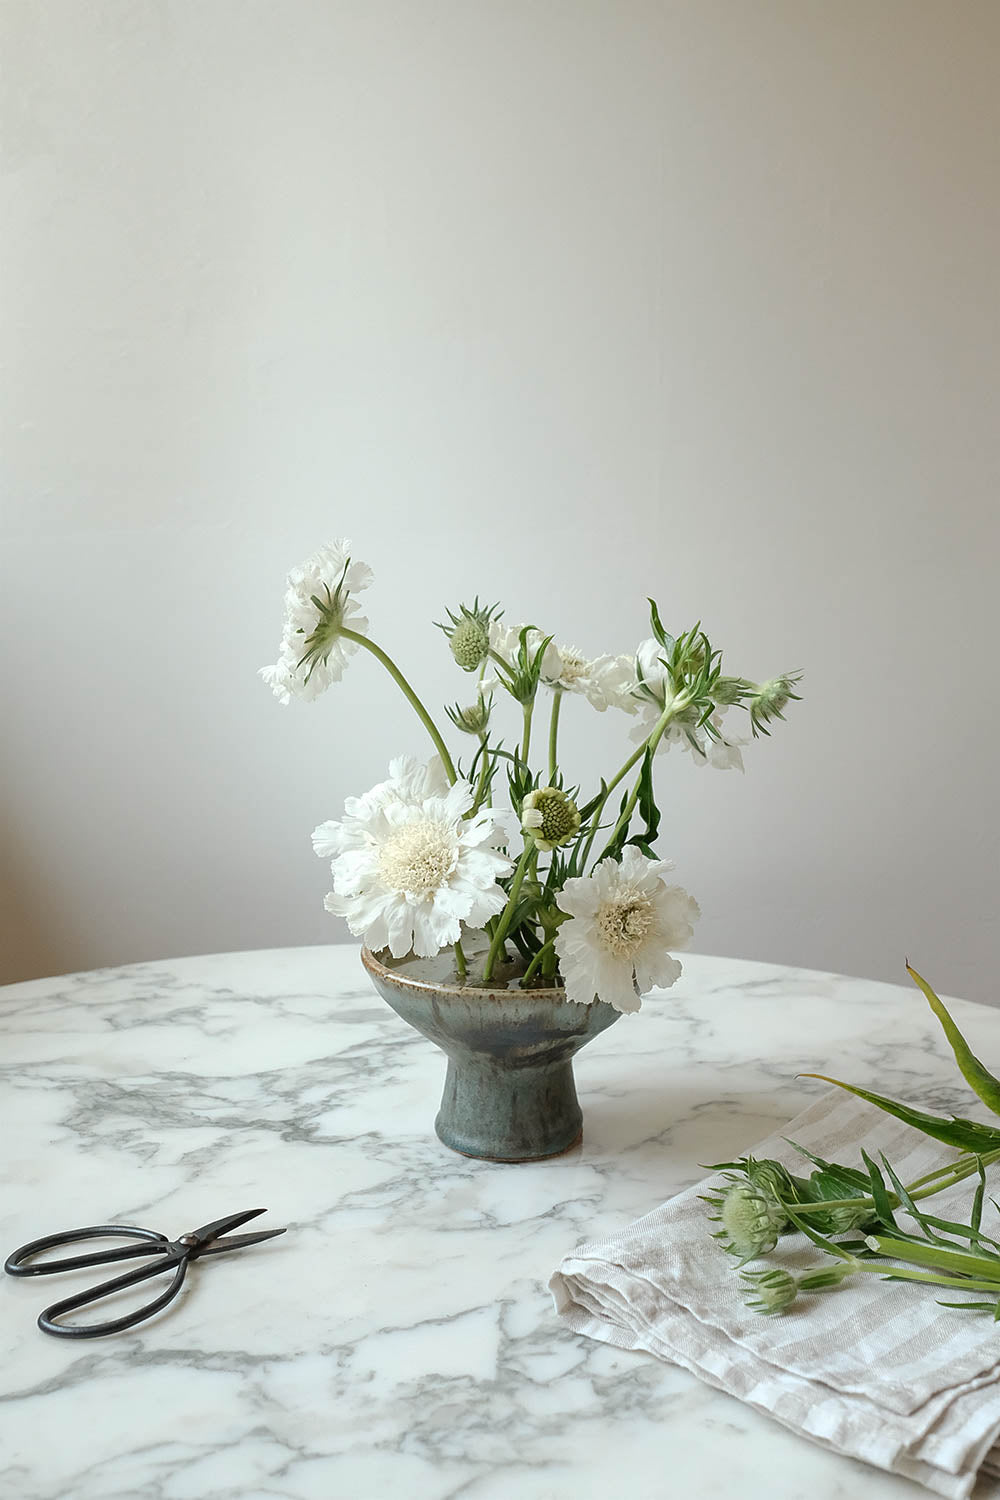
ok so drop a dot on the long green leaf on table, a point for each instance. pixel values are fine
(964, 1135)
(976, 1074)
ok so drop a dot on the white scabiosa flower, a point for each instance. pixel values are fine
(604, 681)
(625, 922)
(409, 868)
(319, 601)
(651, 692)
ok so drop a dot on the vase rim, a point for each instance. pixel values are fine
(498, 992)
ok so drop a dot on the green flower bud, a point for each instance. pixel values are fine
(751, 1218)
(469, 634)
(827, 1276)
(771, 1175)
(770, 699)
(840, 1220)
(774, 1290)
(471, 720)
(726, 691)
(550, 817)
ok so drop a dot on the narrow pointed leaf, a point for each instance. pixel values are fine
(880, 1193)
(964, 1135)
(976, 1074)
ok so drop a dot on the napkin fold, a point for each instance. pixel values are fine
(875, 1369)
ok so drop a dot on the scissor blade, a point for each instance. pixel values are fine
(220, 1226)
(238, 1241)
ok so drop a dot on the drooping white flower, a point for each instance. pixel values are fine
(651, 692)
(319, 600)
(625, 920)
(602, 680)
(409, 868)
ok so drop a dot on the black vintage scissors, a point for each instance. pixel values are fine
(173, 1255)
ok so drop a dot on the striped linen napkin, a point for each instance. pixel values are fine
(874, 1369)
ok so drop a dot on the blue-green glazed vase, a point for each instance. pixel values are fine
(509, 1092)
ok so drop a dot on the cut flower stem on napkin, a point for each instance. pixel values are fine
(763, 1201)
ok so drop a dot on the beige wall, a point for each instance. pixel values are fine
(561, 302)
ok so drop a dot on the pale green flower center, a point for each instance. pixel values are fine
(559, 815)
(469, 642)
(417, 858)
(752, 1219)
(624, 924)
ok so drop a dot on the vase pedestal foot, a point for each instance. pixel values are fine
(497, 1112)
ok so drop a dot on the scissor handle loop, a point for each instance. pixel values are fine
(47, 1320)
(16, 1262)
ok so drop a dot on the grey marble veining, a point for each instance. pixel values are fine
(399, 1340)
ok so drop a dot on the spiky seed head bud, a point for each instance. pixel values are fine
(729, 690)
(751, 1218)
(840, 1220)
(550, 817)
(774, 1290)
(770, 1174)
(471, 720)
(771, 698)
(469, 633)
(469, 644)
(827, 1276)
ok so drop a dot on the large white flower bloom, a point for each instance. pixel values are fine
(318, 601)
(625, 921)
(651, 693)
(602, 680)
(409, 867)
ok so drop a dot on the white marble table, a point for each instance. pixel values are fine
(399, 1340)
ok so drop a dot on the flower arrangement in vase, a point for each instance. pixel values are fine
(505, 915)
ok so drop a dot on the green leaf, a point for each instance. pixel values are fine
(965, 1135)
(818, 1239)
(657, 627)
(975, 1073)
(833, 1176)
(648, 810)
(880, 1193)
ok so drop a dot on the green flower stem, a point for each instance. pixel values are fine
(527, 709)
(528, 855)
(964, 1165)
(922, 1187)
(401, 682)
(903, 1273)
(676, 706)
(537, 959)
(554, 732)
(477, 800)
(937, 1256)
(460, 960)
(596, 818)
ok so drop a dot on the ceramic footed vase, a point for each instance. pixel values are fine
(509, 1092)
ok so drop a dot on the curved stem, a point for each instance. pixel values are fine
(401, 682)
(503, 924)
(537, 959)
(596, 818)
(557, 698)
(676, 706)
(460, 960)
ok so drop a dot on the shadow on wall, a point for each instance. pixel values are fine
(35, 939)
